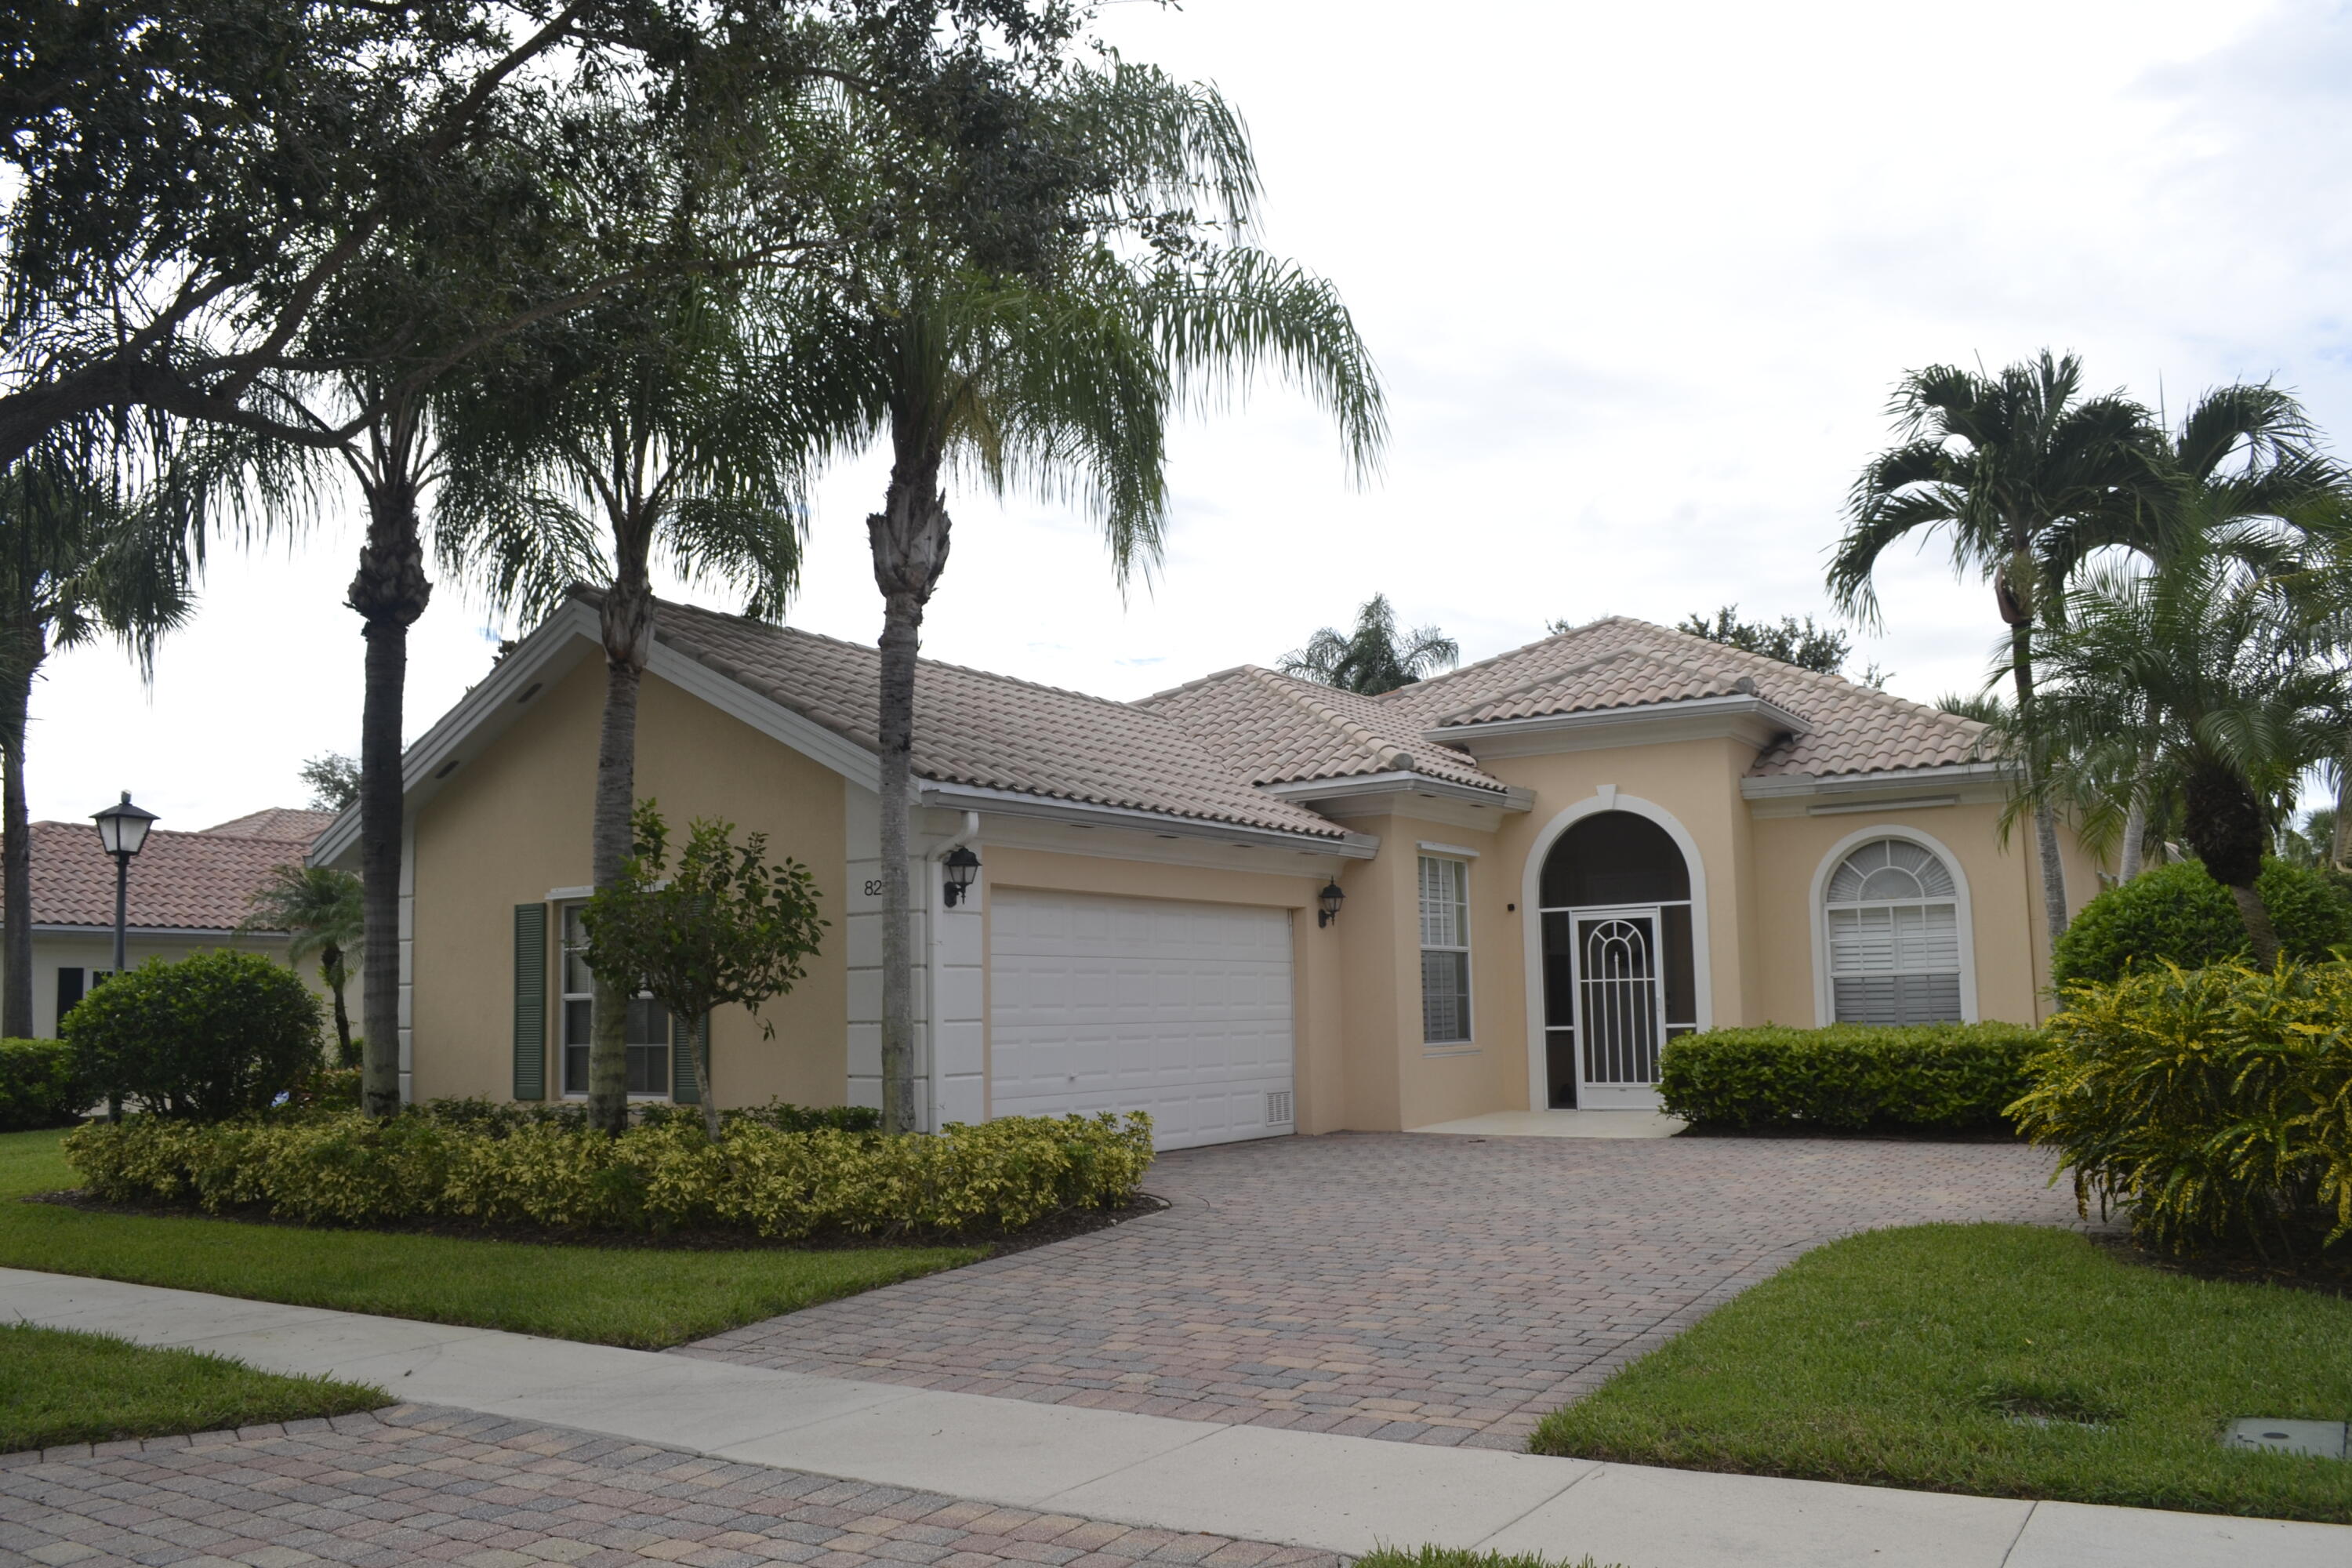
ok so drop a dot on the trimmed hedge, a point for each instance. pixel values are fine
(215, 1035)
(1945, 1076)
(500, 1117)
(38, 1086)
(2214, 1105)
(2178, 914)
(345, 1169)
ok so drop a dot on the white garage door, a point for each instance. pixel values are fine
(1102, 1004)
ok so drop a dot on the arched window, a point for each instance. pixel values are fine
(1893, 936)
(1619, 982)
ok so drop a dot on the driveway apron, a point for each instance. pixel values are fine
(1417, 1287)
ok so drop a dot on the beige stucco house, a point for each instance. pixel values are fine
(1551, 862)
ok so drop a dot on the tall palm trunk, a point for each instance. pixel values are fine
(2224, 822)
(2340, 853)
(2131, 859)
(2018, 612)
(909, 537)
(19, 660)
(330, 969)
(389, 592)
(628, 629)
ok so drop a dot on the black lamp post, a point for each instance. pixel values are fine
(122, 830)
(1327, 904)
(961, 865)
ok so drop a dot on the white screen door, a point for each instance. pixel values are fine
(1620, 1007)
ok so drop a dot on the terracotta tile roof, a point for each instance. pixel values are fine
(1278, 730)
(1621, 663)
(990, 731)
(197, 881)
(285, 823)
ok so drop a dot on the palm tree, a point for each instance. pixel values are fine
(1061, 370)
(660, 431)
(2244, 471)
(1373, 659)
(77, 562)
(320, 910)
(2206, 679)
(2006, 465)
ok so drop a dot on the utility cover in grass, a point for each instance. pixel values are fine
(2006, 1361)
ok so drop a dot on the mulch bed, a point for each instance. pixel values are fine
(1054, 1228)
(2324, 1274)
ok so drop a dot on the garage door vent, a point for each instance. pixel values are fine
(1278, 1107)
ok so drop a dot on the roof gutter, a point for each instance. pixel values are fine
(1772, 786)
(1400, 782)
(1763, 711)
(973, 798)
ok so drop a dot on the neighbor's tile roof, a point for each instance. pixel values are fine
(1625, 663)
(281, 822)
(1278, 730)
(198, 881)
(990, 731)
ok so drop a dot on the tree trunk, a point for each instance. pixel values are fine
(909, 538)
(2261, 936)
(2129, 862)
(629, 632)
(16, 670)
(2340, 852)
(2045, 815)
(331, 967)
(389, 592)
(698, 1039)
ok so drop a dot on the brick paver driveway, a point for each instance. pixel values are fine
(413, 1484)
(1422, 1288)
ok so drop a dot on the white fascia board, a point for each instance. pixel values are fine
(1891, 781)
(160, 933)
(1400, 782)
(1752, 718)
(1015, 803)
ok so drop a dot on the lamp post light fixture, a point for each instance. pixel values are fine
(123, 833)
(1327, 904)
(961, 866)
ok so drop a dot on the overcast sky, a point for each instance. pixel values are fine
(1639, 280)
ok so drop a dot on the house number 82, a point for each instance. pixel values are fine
(873, 888)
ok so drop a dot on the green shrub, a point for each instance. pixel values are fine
(37, 1087)
(2178, 914)
(1946, 1076)
(500, 1117)
(214, 1036)
(346, 1168)
(2214, 1105)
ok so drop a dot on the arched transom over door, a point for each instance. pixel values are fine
(1619, 982)
(1896, 954)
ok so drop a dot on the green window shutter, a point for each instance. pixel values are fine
(531, 1001)
(685, 1082)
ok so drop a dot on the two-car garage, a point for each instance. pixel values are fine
(1180, 1009)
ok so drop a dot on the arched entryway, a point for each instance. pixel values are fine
(1614, 897)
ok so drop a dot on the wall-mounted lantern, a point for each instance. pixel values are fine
(961, 866)
(1327, 904)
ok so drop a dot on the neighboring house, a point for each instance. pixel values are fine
(1552, 862)
(188, 892)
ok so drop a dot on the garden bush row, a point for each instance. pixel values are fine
(38, 1085)
(344, 1169)
(2178, 914)
(1849, 1077)
(2214, 1105)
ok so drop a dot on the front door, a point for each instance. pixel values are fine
(1620, 1007)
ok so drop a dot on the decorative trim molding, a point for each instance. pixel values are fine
(1752, 718)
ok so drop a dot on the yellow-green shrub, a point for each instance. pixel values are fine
(2214, 1105)
(345, 1169)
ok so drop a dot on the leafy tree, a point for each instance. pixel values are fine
(78, 561)
(334, 781)
(1821, 649)
(320, 910)
(1020, 333)
(1374, 658)
(2213, 679)
(2010, 467)
(724, 928)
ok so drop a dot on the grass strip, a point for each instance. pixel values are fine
(2004, 1361)
(57, 1386)
(647, 1299)
(1463, 1557)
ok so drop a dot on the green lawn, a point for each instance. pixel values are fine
(640, 1296)
(57, 1387)
(1906, 1358)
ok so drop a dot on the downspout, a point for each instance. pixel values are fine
(934, 906)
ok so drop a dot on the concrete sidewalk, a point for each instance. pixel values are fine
(1311, 1489)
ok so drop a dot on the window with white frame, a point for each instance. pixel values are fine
(1895, 936)
(1445, 950)
(647, 1031)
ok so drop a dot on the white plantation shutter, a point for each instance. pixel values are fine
(1445, 950)
(1895, 936)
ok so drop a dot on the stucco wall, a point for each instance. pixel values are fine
(513, 823)
(51, 952)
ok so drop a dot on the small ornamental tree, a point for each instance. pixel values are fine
(725, 926)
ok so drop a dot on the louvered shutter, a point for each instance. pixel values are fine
(530, 1001)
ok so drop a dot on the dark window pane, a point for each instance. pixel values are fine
(575, 1069)
(648, 1022)
(1681, 976)
(649, 1069)
(1444, 997)
(578, 1013)
(1614, 857)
